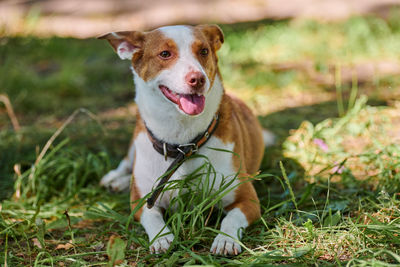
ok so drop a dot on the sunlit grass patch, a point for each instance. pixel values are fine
(362, 145)
(293, 63)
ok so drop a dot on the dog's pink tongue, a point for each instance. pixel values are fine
(191, 104)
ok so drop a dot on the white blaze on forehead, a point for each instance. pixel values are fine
(182, 35)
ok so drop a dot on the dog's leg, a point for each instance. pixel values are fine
(244, 211)
(159, 234)
(119, 178)
(232, 226)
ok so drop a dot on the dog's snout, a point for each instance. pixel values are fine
(196, 80)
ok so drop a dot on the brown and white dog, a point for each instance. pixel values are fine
(178, 92)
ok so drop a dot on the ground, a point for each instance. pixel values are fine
(329, 188)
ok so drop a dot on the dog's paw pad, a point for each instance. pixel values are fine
(224, 245)
(161, 244)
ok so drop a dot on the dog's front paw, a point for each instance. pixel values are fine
(161, 244)
(225, 245)
(116, 180)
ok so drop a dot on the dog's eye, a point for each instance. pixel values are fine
(204, 52)
(165, 54)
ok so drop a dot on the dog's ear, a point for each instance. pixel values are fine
(125, 43)
(214, 35)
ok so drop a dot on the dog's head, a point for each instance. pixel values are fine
(178, 64)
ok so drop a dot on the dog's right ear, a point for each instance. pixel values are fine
(125, 43)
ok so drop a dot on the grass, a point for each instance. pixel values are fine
(328, 189)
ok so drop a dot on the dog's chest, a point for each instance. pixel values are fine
(150, 165)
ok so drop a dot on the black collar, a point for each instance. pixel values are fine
(173, 150)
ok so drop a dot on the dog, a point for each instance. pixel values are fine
(180, 95)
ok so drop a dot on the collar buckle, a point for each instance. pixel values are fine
(194, 148)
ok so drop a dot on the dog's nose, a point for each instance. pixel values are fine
(196, 80)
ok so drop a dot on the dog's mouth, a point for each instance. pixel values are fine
(191, 104)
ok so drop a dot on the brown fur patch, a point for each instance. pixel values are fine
(246, 200)
(208, 62)
(214, 35)
(147, 62)
(135, 194)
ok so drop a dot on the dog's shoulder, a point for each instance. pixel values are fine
(235, 118)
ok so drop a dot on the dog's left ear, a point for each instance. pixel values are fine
(125, 43)
(214, 35)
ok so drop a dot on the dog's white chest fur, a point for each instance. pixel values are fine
(150, 165)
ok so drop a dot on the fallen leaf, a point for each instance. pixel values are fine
(36, 242)
(116, 250)
(65, 246)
